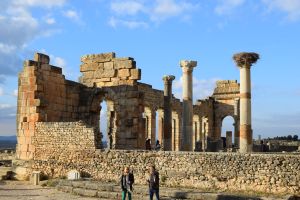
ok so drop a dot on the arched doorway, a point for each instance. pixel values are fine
(227, 133)
(107, 124)
(103, 123)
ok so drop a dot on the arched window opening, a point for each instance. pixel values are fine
(103, 124)
(228, 131)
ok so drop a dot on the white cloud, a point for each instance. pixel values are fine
(127, 7)
(5, 106)
(227, 6)
(21, 27)
(201, 88)
(15, 93)
(50, 21)
(156, 11)
(169, 8)
(113, 22)
(1, 91)
(39, 3)
(290, 7)
(58, 61)
(6, 48)
(73, 15)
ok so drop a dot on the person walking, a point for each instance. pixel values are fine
(153, 181)
(157, 145)
(148, 144)
(127, 180)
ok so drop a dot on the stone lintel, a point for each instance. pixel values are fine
(245, 59)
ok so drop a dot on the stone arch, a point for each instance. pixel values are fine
(108, 95)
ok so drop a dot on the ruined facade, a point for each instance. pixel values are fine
(45, 96)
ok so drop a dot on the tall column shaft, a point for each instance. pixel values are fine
(244, 62)
(167, 142)
(187, 120)
(245, 108)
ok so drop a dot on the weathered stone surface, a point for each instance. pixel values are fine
(205, 171)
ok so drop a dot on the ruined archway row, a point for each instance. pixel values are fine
(53, 109)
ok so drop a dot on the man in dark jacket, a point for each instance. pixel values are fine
(127, 179)
(153, 182)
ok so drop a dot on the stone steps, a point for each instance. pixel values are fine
(113, 191)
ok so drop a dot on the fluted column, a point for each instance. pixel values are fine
(244, 61)
(167, 142)
(187, 120)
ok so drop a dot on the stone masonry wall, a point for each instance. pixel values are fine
(104, 70)
(265, 173)
(59, 136)
(44, 95)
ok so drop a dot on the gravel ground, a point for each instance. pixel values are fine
(17, 190)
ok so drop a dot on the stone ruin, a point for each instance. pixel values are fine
(59, 129)
(49, 103)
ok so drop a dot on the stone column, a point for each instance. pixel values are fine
(187, 119)
(168, 112)
(236, 123)
(228, 139)
(244, 61)
(160, 125)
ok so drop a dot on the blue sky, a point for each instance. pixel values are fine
(158, 34)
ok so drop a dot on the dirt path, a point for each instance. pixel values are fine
(17, 190)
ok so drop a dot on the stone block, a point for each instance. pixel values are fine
(89, 74)
(45, 67)
(41, 58)
(108, 65)
(124, 64)
(35, 177)
(107, 74)
(135, 74)
(123, 73)
(73, 175)
(30, 63)
(98, 57)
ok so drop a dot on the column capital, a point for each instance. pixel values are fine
(187, 65)
(168, 79)
(245, 59)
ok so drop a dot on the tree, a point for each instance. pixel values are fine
(289, 137)
(295, 137)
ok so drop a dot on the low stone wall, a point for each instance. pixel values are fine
(7, 154)
(262, 173)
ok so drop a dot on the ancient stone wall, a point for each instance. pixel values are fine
(45, 95)
(7, 155)
(272, 173)
(59, 136)
(104, 70)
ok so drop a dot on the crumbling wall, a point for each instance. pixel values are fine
(104, 70)
(44, 95)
